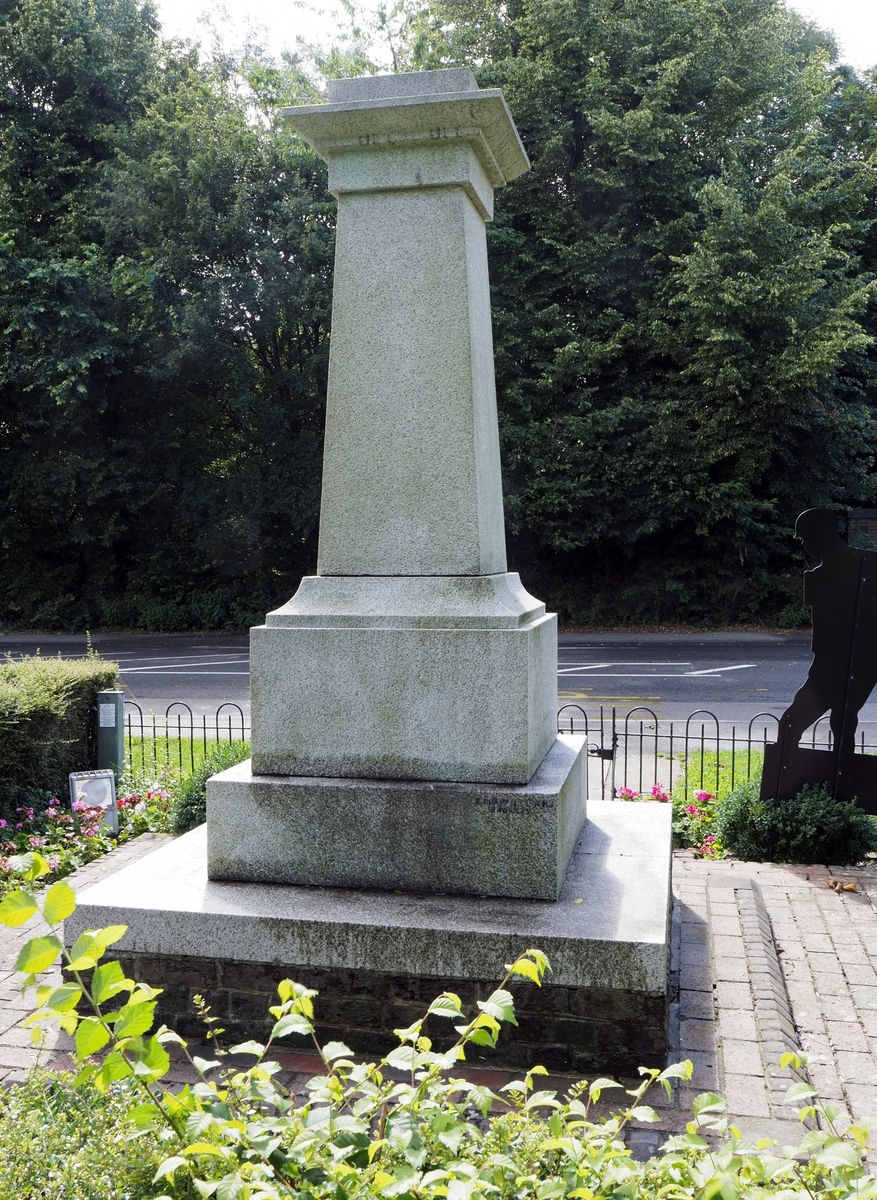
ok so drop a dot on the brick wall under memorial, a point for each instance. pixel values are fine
(580, 1030)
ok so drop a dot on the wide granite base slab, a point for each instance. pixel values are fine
(484, 839)
(377, 958)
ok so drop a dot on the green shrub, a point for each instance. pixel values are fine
(47, 723)
(190, 806)
(66, 1144)
(406, 1128)
(811, 827)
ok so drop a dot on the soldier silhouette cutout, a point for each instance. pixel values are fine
(842, 595)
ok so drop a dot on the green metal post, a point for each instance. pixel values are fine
(111, 730)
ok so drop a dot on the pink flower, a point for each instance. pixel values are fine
(658, 793)
(79, 806)
(626, 793)
(710, 847)
(693, 809)
(51, 812)
(35, 842)
(54, 861)
(704, 797)
(2, 824)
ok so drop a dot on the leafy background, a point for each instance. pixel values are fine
(683, 294)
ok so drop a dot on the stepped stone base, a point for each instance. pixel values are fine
(379, 957)
(484, 839)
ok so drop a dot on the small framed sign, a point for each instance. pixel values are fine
(96, 789)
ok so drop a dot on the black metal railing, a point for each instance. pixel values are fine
(179, 738)
(699, 751)
(637, 747)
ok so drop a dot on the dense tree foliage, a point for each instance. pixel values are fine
(682, 294)
(165, 292)
(684, 307)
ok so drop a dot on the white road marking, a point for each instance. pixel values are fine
(631, 675)
(592, 671)
(568, 667)
(223, 662)
(169, 659)
(715, 670)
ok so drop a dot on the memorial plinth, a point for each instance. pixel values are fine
(410, 819)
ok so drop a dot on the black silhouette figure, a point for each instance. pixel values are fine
(842, 594)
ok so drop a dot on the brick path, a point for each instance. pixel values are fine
(764, 959)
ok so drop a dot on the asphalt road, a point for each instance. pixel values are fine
(731, 675)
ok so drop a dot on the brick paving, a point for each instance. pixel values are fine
(765, 958)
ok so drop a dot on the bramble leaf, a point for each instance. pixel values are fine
(500, 1005)
(644, 1112)
(256, 1049)
(134, 1019)
(448, 1004)
(84, 953)
(336, 1050)
(532, 965)
(108, 980)
(599, 1086)
(291, 1023)
(681, 1070)
(232, 1187)
(707, 1102)
(91, 1036)
(155, 1058)
(169, 1167)
(31, 865)
(108, 935)
(112, 1068)
(64, 998)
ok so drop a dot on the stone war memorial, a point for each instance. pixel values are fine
(410, 820)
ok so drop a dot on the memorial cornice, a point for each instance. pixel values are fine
(481, 119)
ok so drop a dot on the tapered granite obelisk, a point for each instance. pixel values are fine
(404, 700)
(412, 654)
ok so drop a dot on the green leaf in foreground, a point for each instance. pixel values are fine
(91, 1036)
(16, 908)
(38, 955)
(108, 980)
(59, 903)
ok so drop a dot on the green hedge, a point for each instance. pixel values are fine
(47, 722)
(190, 806)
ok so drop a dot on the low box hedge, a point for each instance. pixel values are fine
(48, 723)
